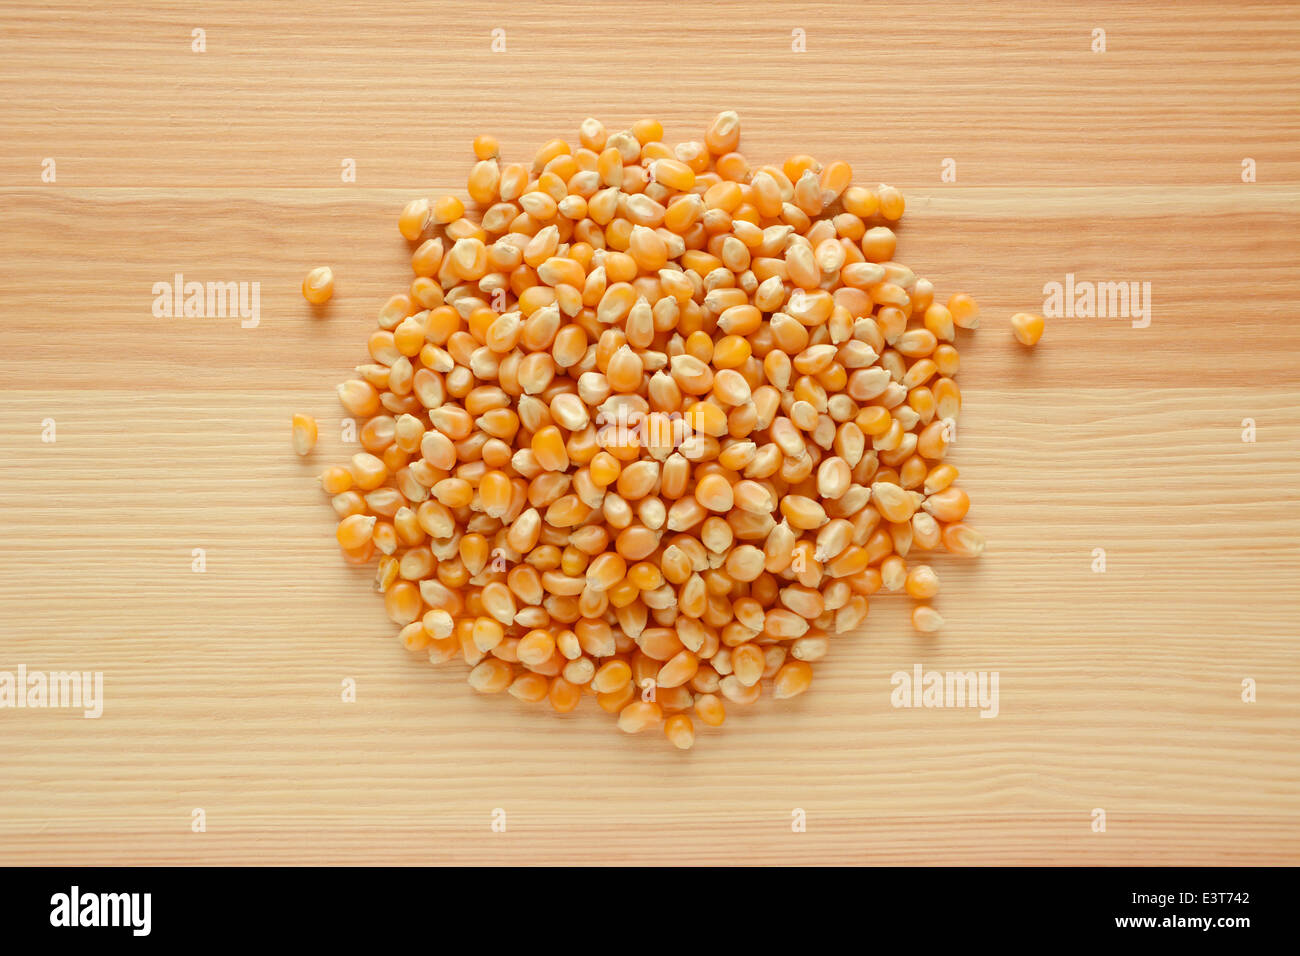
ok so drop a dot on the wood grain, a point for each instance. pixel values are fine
(1120, 691)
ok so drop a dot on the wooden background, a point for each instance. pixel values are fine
(1119, 690)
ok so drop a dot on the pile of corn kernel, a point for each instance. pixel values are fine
(652, 425)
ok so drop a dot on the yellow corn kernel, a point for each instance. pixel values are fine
(318, 285)
(723, 133)
(922, 583)
(792, 680)
(674, 174)
(304, 435)
(638, 716)
(710, 709)
(965, 312)
(891, 203)
(963, 540)
(414, 219)
(491, 676)
(335, 480)
(484, 181)
(926, 619)
(679, 729)
(564, 695)
(1027, 327)
(355, 530)
(529, 687)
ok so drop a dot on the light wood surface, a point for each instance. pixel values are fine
(1119, 690)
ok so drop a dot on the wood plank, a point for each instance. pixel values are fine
(1003, 246)
(1119, 690)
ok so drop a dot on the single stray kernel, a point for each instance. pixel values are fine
(318, 285)
(926, 619)
(1027, 327)
(304, 433)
